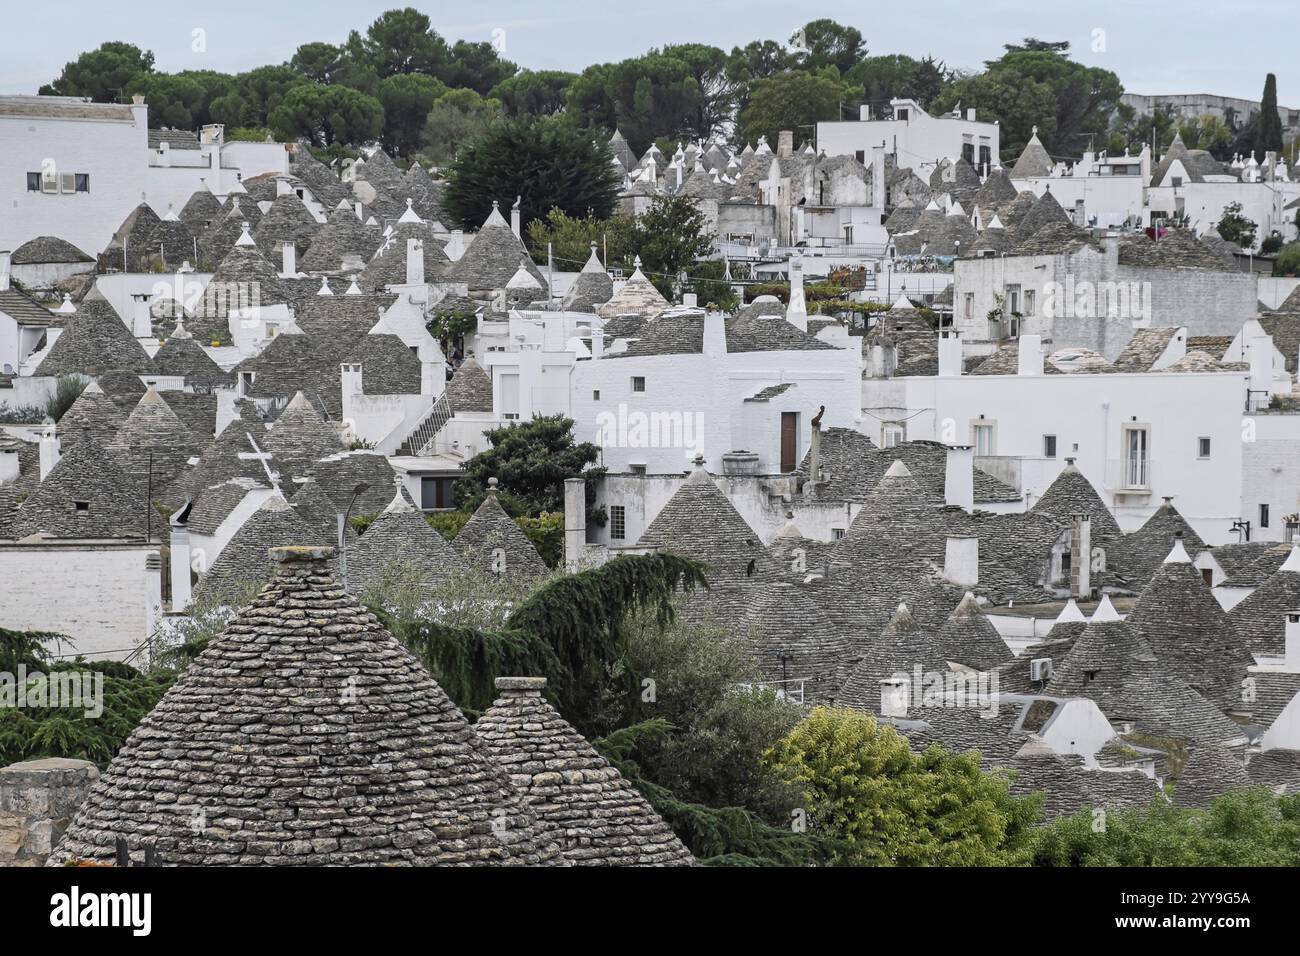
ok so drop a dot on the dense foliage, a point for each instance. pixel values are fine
(530, 461)
(546, 162)
(880, 804)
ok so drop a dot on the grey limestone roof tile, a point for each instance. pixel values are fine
(582, 803)
(1261, 618)
(492, 543)
(381, 766)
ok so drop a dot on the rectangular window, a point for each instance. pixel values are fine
(49, 181)
(1029, 302)
(1203, 448)
(638, 383)
(901, 115)
(637, 469)
(892, 433)
(970, 306)
(1049, 446)
(595, 395)
(617, 522)
(33, 182)
(837, 533)
(83, 182)
(1263, 516)
(983, 439)
(67, 183)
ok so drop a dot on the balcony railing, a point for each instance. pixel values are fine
(1129, 474)
(791, 690)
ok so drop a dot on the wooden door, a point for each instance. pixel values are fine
(789, 440)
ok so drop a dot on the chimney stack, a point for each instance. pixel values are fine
(6, 266)
(961, 561)
(289, 258)
(49, 451)
(597, 342)
(715, 334)
(796, 312)
(415, 262)
(959, 478)
(516, 217)
(575, 522)
(950, 353)
(877, 175)
(1029, 355)
(815, 454)
(1081, 558)
(894, 692)
(1292, 645)
(180, 566)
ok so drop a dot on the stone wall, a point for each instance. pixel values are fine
(38, 799)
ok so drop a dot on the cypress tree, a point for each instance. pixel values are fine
(1268, 134)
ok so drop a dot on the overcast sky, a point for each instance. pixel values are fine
(1187, 46)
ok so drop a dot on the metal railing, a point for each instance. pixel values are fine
(1129, 474)
(434, 420)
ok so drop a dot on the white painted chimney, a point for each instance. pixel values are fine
(894, 692)
(1029, 355)
(49, 452)
(961, 561)
(1292, 646)
(796, 312)
(877, 175)
(180, 567)
(415, 262)
(289, 260)
(6, 265)
(815, 454)
(575, 522)
(959, 478)
(690, 300)
(516, 218)
(597, 342)
(950, 354)
(715, 334)
(152, 591)
(282, 188)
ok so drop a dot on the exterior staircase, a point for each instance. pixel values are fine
(423, 434)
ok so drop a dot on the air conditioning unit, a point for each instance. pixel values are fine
(1040, 669)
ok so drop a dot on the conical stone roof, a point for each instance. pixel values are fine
(582, 803)
(288, 220)
(153, 445)
(902, 647)
(86, 495)
(1034, 160)
(95, 414)
(1071, 493)
(1189, 632)
(306, 734)
(492, 258)
(1142, 553)
(1261, 618)
(242, 567)
(638, 297)
(301, 437)
(968, 638)
(343, 235)
(491, 542)
(793, 640)
(701, 523)
(200, 211)
(399, 541)
(94, 340)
